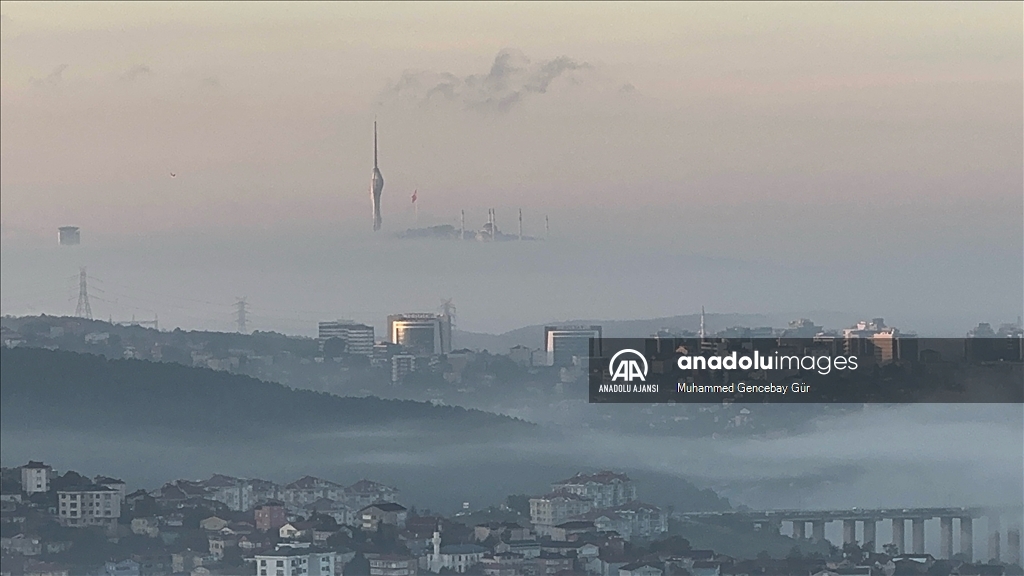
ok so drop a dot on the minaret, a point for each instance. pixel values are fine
(376, 183)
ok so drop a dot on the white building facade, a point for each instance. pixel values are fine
(91, 505)
(35, 477)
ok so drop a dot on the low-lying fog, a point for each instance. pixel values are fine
(293, 279)
(903, 456)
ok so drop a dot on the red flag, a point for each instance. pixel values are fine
(413, 196)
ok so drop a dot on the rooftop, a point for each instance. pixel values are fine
(463, 549)
(602, 477)
(386, 507)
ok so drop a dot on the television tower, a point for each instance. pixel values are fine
(376, 183)
(702, 333)
(520, 224)
(83, 310)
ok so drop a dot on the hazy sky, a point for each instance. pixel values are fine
(775, 133)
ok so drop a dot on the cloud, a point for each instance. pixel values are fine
(135, 72)
(52, 79)
(511, 79)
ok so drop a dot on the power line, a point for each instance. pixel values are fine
(161, 295)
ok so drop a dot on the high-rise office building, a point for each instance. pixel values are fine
(69, 236)
(563, 344)
(358, 337)
(422, 334)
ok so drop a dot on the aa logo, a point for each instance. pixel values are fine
(625, 368)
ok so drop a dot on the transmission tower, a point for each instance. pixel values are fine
(448, 311)
(83, 310)
(241, 315)
(448, 326)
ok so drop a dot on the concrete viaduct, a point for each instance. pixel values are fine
(899, 517)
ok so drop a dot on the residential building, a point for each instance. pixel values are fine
(502, 564)
(391, 565)
(123, 568)
(21, 544)
(270, 516)
(557, 507)
(235, 493)
(401, 366)
(149, 527)
(288, 560)
(374, 515)
(213, 524)
(548, 563)
(569, 531)
(35, 477)
(115, 484)
(89, 505)
(366, 492)
(633, 520)
(296, 530)
(605, 489)
(507, 531)
(521, 355)
(38, 568)
(341, 512)
(264, 490)
(526, 548)
(641, 569)
(309, 489)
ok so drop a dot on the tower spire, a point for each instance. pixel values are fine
(374, 142)
(702, 333)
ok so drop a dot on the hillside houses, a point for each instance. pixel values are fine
(605, 501)
(192, 527)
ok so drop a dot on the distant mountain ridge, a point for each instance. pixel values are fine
(533, 336)
(148, 422)
(68, 390)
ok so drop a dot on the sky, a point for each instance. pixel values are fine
(754, 157)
